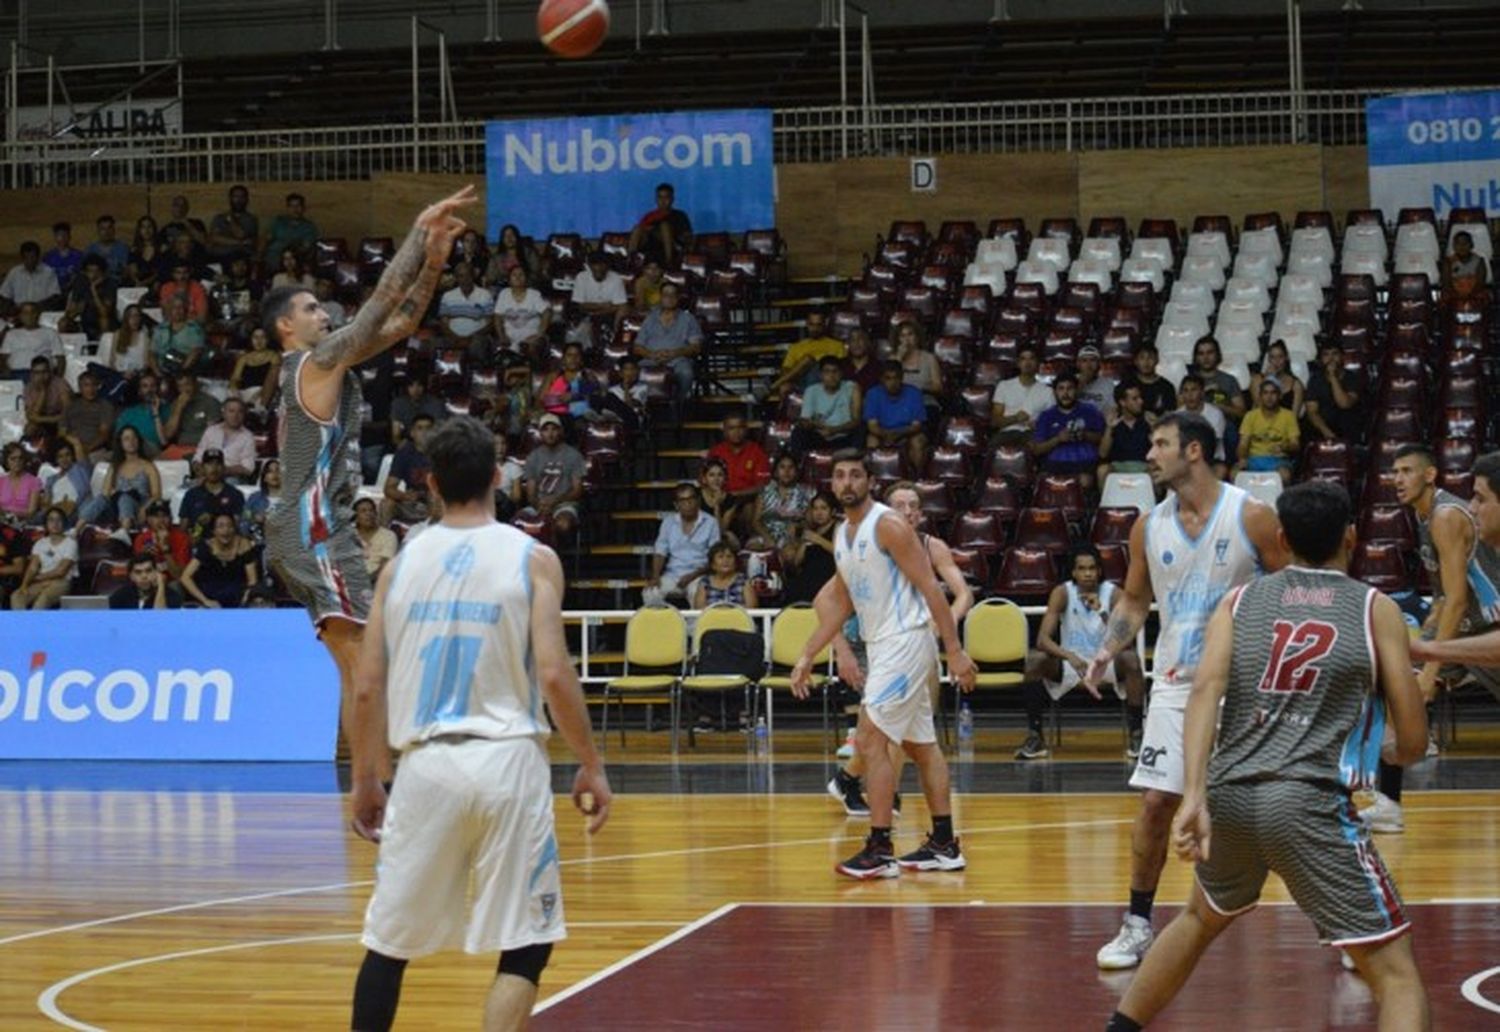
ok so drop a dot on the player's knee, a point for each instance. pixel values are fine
(1158, 807)
(528, 962)
(1128, 662)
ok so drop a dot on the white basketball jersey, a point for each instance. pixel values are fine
(1190, 575)
(458, 637)
(1082, 629)
(884, 600)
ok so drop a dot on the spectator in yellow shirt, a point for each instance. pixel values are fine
(1269, 436)
(800, 366)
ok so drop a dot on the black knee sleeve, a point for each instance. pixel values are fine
(526, 962)
(376, 993)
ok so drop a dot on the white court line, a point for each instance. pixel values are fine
(638, 955)
(1470, 990)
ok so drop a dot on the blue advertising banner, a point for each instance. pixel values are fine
(252, 684)
(1434, 150)
(599, 175)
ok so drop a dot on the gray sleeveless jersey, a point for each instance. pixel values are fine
(1482, 567)
(1302, 702)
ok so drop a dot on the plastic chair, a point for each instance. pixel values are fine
(721, 616)
(790, 631)
(655, 638)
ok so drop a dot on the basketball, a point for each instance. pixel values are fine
(572, 28)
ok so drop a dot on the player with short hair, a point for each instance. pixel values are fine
(1479, 654)
(1307, 662)
(886, 578)
(311, 544)
(466, 643)
(1204, 539)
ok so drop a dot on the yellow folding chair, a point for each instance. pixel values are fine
(721, 616)
(656, 639)
(790, 631)
(995, 635)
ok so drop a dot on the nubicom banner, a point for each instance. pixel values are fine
(599, 175)
(1434, 150)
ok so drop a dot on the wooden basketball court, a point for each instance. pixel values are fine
(137, 897)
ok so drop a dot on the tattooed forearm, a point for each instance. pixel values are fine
(1122, 631)
(363, 337)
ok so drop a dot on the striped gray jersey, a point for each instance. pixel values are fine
(1482, 568)
(320, 471)
(1303, 702)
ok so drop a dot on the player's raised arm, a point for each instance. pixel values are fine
(1190, 830)
(1263, 528)
(368, 731)
(1405, 707)
(559, 684)
(899, 541)
(1128, 614)
(833, 606)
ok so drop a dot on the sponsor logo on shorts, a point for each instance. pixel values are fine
(1150, 754)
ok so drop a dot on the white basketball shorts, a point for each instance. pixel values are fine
(1159, 765)
(898, 687)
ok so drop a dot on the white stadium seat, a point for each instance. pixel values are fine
(1262, 241)
(1092, 270)
(1052, 250)
(1044, 273)
(1124, 490)
(1300, 288)
(1211, 242)
(1316, 267)
(1265, 487)
(1186, 314)
(1157, 248)
(1417, 238)
(1259, 267)
(1365, 239)
(1240, 289)
(1239, 342)
(1199, 294)
(1176, 342)
(998, 251)
(1312, 240)
(1144, 270)
(1363, 263)
(1102, 249)
(1418, 262)
(1203, 268)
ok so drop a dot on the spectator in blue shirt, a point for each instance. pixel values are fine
(1067, 435)
(114, 252)
(64, 258)
(895, 415)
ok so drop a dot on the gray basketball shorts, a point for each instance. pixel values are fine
(1312, 837)
(328, 577)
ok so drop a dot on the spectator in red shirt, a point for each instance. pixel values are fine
(748, 466)
(168, 545)
(182, 282)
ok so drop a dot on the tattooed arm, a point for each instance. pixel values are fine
(1132, 606)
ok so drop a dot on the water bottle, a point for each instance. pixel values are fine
(762, 737)
(965, 732)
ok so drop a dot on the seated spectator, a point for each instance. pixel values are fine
(177, 344)
(168, 546)
(512, 409)
(27, 341)
(645, 293)
(724, 583)
(68, 488)
(780, 507)
(290, 272)
(183, 253)
(15, 551)
(522, 316)
(126, 357)
(1157, 392)
(414, 402)
(664, 233)
(469, 249)
(266, 498)
(141, 268)
(147, 589)
(64, 259)
(1269, 436)
(1072, 630)
(31, 282)
(378, 543)
(49, 571)
(291, 231)
(91, 301)
(831, 411)
(212, 497)
(745, 463)
(183, 285)
(599, 295)
(512, 472)
(862, 366)
(256, 378)
(147, 417)
(1333, 396)
(224, 566)
(193, 411)
(465, 312)
(21, 492)
(1097, 390)
(808, 560)
(920, 368)
(1193, 399)
(680, 556)
(116, 253)
(511, 251)
(1018, 401)
(566, 393)
(801, 365)
(88, 421)
(44, 400)
(235, 300)
(182, 224)
(671, 337)
(1276, 364)
(626, 399)
(554, 477)
(1127, 435)
(234, 232)
(1464, 272)
(895, 416)
(133, 480)
(338, 315)
(260, 596)
(406, 494)
(1068, 434)
(716, 499)
(1220, 388)
(230, 437)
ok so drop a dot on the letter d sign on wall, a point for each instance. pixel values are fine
(924, 175)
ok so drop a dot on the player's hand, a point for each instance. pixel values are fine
(1191, 830)
(592, 796)
(962, 669)
(1094, 675)
(1427, 682)
(367, 798)
(848, 666)
(436, 213)
(801, 677)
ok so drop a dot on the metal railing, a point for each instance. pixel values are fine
(812, 134)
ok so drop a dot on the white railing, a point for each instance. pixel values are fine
(812, 134)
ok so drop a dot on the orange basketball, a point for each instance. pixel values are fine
(572, 28)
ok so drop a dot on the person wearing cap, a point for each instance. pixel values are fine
(230, 437)
(1269, 437)
(598, 294)
(211, 497)
(166, 544)
(1094, 388)
(554, 477)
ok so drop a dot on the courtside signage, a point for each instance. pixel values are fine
(599, 175)
(1434, 150)
(175, 685)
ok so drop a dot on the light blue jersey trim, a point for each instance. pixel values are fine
(893, 691)
(1212, 516)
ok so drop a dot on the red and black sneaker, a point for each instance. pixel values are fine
(876, 860)
(935, 857)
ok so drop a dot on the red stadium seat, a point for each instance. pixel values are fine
(949, 466)
(1114, 561)
(1108, 226)
(1013, 462)
(1061, 491)
(1026, 575)
(978, 530)
(1381, 565)
(1043, 528)
(1113, 525)
(937, 500)
(999, 496)
(972, 563)
(1389, 523)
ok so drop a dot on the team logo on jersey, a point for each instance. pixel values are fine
(1221, 551)
(1166, 558)
(459, 562)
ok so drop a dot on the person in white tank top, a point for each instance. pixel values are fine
(1204, 539)
(465, 644)
(885, 576)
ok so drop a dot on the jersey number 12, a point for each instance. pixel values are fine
(1295, 651)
